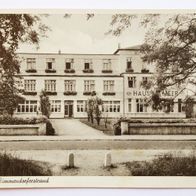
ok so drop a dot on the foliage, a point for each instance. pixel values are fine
(8, 120)
(189, 104)
(170, 42)
(15, 29)
(49, 128)
(13, 166)
(166, 165)
(94, 109)
(45, 104)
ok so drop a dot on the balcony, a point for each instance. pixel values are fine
(70, 93)
(31, 71)
(50, 70)
(88, 71)
(93, 93)
(69, 71)
(29, 93)
(51, 93)
(145, 71)
(109, 93)
(107, 71)
(129, 70)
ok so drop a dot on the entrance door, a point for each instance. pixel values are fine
(68, 108)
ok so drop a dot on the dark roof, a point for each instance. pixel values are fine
(136, 47)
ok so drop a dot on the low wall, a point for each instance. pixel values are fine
(158, 128)
(38, 129)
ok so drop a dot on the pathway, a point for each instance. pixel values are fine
(73, 127)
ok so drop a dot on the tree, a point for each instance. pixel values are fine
(15, 29)
(97, 109)
(45, 104)
(94, 109)
(170, 44)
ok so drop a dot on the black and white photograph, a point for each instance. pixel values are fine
(97, 94)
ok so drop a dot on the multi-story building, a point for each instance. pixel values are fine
(70, 79)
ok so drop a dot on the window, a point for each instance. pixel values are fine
(87, 64)
(81, 106)
(144, 80)
(129, 105)
(108, 85)
(141, 105)
(29, 106)
(30, 85)
(50, 63)
(131, 82)
(50, 85)
(106, 64)
(70, 85)
(55, 106)
(89, 85)
(68, 63)
(111, 106)
(129, 63)
(31, 63)
(179, 105)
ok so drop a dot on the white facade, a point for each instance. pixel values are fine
(69, 79)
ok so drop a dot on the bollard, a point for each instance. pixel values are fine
(71, 160)
(108, 160)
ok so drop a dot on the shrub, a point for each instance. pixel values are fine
(9, 120)
(49, 128)
(166, 165)
(13, 166)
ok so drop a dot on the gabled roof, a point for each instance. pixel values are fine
(136, 47)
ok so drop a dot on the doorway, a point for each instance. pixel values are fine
(68, 109)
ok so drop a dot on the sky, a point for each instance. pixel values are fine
(76, 34)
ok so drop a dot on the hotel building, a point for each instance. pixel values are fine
(70, 79)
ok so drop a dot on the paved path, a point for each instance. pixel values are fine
(73, 127)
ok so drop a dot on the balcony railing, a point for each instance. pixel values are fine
(107, 71)
(109, 93)
(30, 93)
(70, 93)
(50, 70)
(69, 71)
(145, 71)
(92, 93)
(88, 71)
(51, 93)
(31, 71)
(129, 70)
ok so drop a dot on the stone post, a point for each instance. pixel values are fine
(108, 160)
(124, 127)
(71, 160)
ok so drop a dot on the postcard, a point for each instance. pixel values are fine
(98, 98)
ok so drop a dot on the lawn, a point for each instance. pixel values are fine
(106, 130)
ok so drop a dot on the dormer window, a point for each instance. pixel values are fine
(129, 63)
(31, 65)
(88, 66)
(107, 66)
(68, 63)
(69, 66)
(129, 68)
(50, 63)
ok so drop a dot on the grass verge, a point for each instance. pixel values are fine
(13, 166)
(166, 165)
